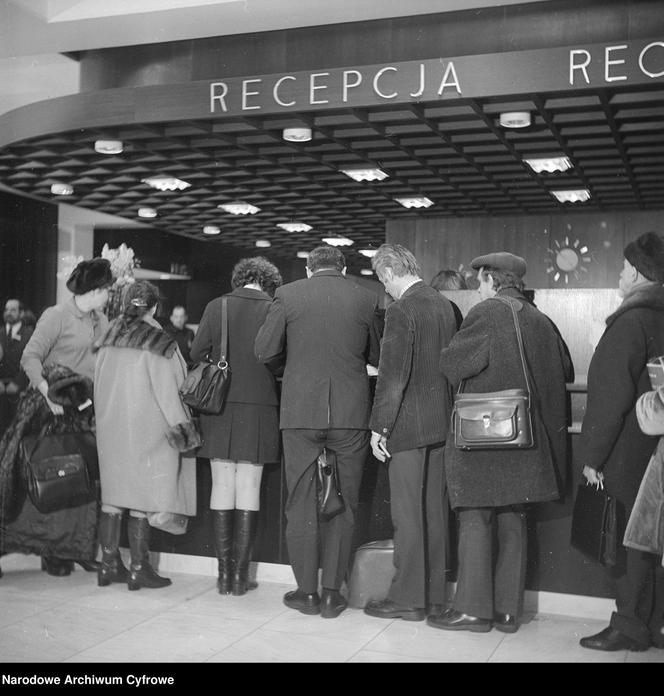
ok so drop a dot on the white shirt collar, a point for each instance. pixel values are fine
(410, 285)
(13, 329)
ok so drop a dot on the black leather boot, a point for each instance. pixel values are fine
(222, 522)
(141, 573)
(112, 568)
(244, 534)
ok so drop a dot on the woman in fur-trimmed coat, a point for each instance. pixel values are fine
(142, 426)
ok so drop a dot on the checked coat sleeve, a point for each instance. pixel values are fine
(394, 369)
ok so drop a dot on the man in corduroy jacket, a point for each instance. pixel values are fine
(409, 423)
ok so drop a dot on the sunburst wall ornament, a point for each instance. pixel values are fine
(568, 259)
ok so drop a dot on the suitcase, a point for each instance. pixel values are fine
(372, 573)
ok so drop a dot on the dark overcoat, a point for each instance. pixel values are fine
(485, 353)
(413, 398)
(326, 327)
(611, 440)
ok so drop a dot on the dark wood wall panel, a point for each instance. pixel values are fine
(28, 251)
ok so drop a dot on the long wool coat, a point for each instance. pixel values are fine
(485, 353)
(611, 440)
(139, 412)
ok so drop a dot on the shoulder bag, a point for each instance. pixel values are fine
(56, 471)
(495, 420)
(206, 386)
(330, 500)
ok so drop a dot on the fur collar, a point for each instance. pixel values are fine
(650, 296)
(139, 335)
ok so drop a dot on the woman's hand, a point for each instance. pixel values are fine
(56, 409)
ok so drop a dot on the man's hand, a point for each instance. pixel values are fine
(379, 448)
(56, 409)
(593, 476)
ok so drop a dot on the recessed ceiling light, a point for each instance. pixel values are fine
(166, 183)
(302, 254)
(337, 241)
(147, 212)
(297, 135)
(416, 202)
(108, 147)
(369, 253)
(549, 164)
(263, 243)
(366, 271)
(211, 229)
(294, 226)
(365, 173)
(239, 208)
(515, 119)
(62, 189)
(572, 195)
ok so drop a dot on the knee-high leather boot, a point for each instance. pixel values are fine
(244, 534)
(141, 573)
(112, 568)
(222, 522)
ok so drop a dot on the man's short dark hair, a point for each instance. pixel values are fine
(503, 279)
(324, 257)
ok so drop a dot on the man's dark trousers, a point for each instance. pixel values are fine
(480, 590)
(419, 511)
(305, 535)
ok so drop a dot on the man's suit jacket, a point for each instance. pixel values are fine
(11, 350)
(412, 404)
(326, 328)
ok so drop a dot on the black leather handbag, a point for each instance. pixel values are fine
(56, 471)
(206, 385)
(495, 420)
(330, 499)
(594, 524)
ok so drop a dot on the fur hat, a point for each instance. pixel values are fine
(646, 254)
(90, 275)
(501, 261)
(66, 387)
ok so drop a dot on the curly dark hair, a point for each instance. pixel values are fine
(259, 270)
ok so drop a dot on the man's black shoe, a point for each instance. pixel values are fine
(303, 602)
(453, 620)
(506, 623)
(387, 609)
(332, 604)
(611, 640)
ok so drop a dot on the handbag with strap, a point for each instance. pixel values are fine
(594, 524)
(330, 500)
(56, 471)
(495, 420)
(206, 385)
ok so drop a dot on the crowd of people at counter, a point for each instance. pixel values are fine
(118, 386)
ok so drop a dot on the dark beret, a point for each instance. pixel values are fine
(90, 275)
(501, 261)
(646, 254)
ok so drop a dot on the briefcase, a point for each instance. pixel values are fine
(594, 524)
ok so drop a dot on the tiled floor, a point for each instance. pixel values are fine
(45, 619)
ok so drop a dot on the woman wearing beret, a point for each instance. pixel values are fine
(63, 339)
(246, 433)
(142, 426)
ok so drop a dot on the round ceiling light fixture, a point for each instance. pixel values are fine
(108, 147)
(263, 243)
(369, 253)
(147, 213)
(338, 241)
(294, 226)
(211, 229)
(302, 254)
(515, 119)
(239, 208)
(366, 272)
(62, 189)
(297, 135)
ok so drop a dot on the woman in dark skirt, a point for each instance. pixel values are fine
(246, 433)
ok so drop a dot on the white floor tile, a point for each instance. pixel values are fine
(551, 638)
(370, 656)
(275, 646)
(15, 605)
(652, 655)
(417, 640)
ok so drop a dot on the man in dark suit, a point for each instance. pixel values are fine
(325, 327)
(177, 328)
(409, 423)
(14, 336)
